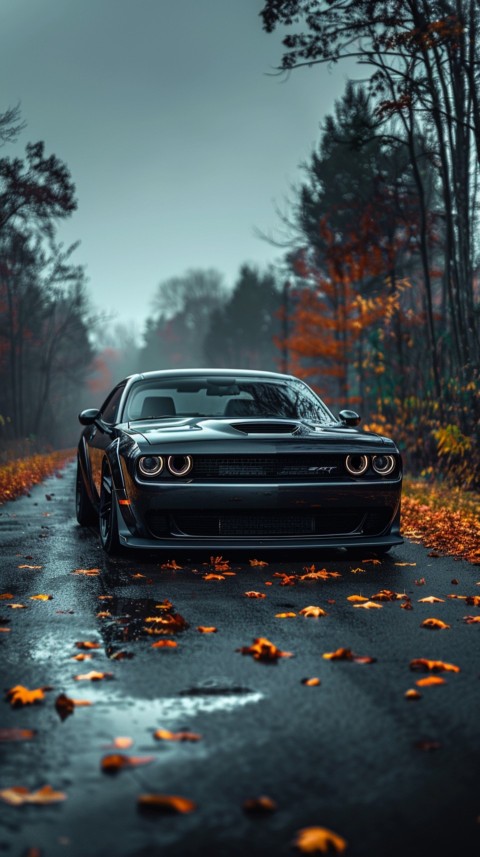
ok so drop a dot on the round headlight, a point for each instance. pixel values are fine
(356, 464)
(383, 464)
(150, 465)
(179, 465)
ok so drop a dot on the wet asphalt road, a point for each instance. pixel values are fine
(343, 754)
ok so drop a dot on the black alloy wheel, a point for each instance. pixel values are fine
(107, 521)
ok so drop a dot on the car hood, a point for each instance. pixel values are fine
(201, 429)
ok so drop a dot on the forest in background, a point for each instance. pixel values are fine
(377, 304)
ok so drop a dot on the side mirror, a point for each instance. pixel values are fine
(88, 417)
(350, 418)
(92, 417)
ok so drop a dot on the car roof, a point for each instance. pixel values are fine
(218, 373)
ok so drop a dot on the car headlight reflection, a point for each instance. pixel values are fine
(383, 464)
(150, 465)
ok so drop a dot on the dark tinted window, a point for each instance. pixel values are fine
(110, 407)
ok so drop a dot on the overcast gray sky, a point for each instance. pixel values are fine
(178, 140)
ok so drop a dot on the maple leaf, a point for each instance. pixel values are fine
(263, 650)
(171, 563)
(18, 795)
(166, 735)
(357, 599)
(165, 605)
(321, 574)
(434, 624)
(343, 654)
(358, 570)
(253, 594)
(165, 803)
(287, 579)
(17, 734)
(213, 577)
(92, 676)
(430, 681)
(471, 620)
(387, 595)
(66, 706)
(261, 805)
(257, 563)
(431, 599)
(368, 605)
(41, 597)
(17, 606)
(407, 604)
(207, 629)
(219, 563)
(87, 644)
(87, 572)
(312, 839)
(285, 615)
(313, 612)
(473, 600)
(115, 762)
(165, 644)
(171, 623)
(311, 682)
(424, 665)
(20, 695)
(104, 614)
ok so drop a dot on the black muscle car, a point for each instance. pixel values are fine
(218, 459)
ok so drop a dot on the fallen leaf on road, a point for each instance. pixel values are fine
(311, 682)
(122, 743)
(253, 594)
(434, 624)
(471, 620)
(412, 694)
(5, 596)
(312, 839)
(372, 561)
(165, 803)
(425, 665)
(82, 656)
(166, 735)
(18, 795)
(357, 599)
(104, 614)
(41, 597)
(259, 805)
(17, 734)
(219, 563)
(20, 695)
(321, 574)
(32, 567)
(313, 612)
(358, 570)
(473, 600)
(285, 615)
(368, 605)
(115, 762)
(430, 681)
(387, 595)
(92, 676)
(257, 563)
(347, 655)
(87, 644)
(263, 650)
(87, 572)
(420, 582)
(431, 599)
(165, 644)
(17, 606)
(66, 706)
(213, 577)
(207, 629)
(172, 563)
(403, 564)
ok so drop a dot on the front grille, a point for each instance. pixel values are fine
(281, 468)
(251, 524)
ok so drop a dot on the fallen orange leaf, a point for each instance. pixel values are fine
(114, 762)
(171, 563)
(263, 650)
(213, 577)
(311, 682)
(471, 620)
(311, 839)
(32, 567)
(313, 612)
(20, 695)
(372, 561)
(434, 624)
(387, 595)
(431, 599)
(207, 629)
(18, 795)
(103, 614)
(285, 615)
(5, 595)
(17, 734)
(17, 606)
(87, 644)
(122, 743)
(257, 563)
(92, 676)
(357, 599)
(430, 680)
(166, 735)
(473, 600)
(82, 656)
(412, 694)
(253, 594)
(165, 803)
(165, 644)
(425, 665)
(347, 655)
(41, 597)
(259, 805)
(321, 574)
(88, 572)
(368, 605)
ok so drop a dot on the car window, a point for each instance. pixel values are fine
(109, 410)
(212, 397)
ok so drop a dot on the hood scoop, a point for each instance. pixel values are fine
(262, 427)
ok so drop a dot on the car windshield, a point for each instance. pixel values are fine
(224, 397)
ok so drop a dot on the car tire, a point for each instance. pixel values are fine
(107, 515)
(86, 515)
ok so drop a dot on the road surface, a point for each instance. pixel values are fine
(390, 775)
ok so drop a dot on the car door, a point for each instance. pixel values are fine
(98, 440)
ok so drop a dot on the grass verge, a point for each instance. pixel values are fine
(17, 477)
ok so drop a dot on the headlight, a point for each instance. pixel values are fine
(383, 464)
(150, 465)
(356, 464)
(179, 465)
